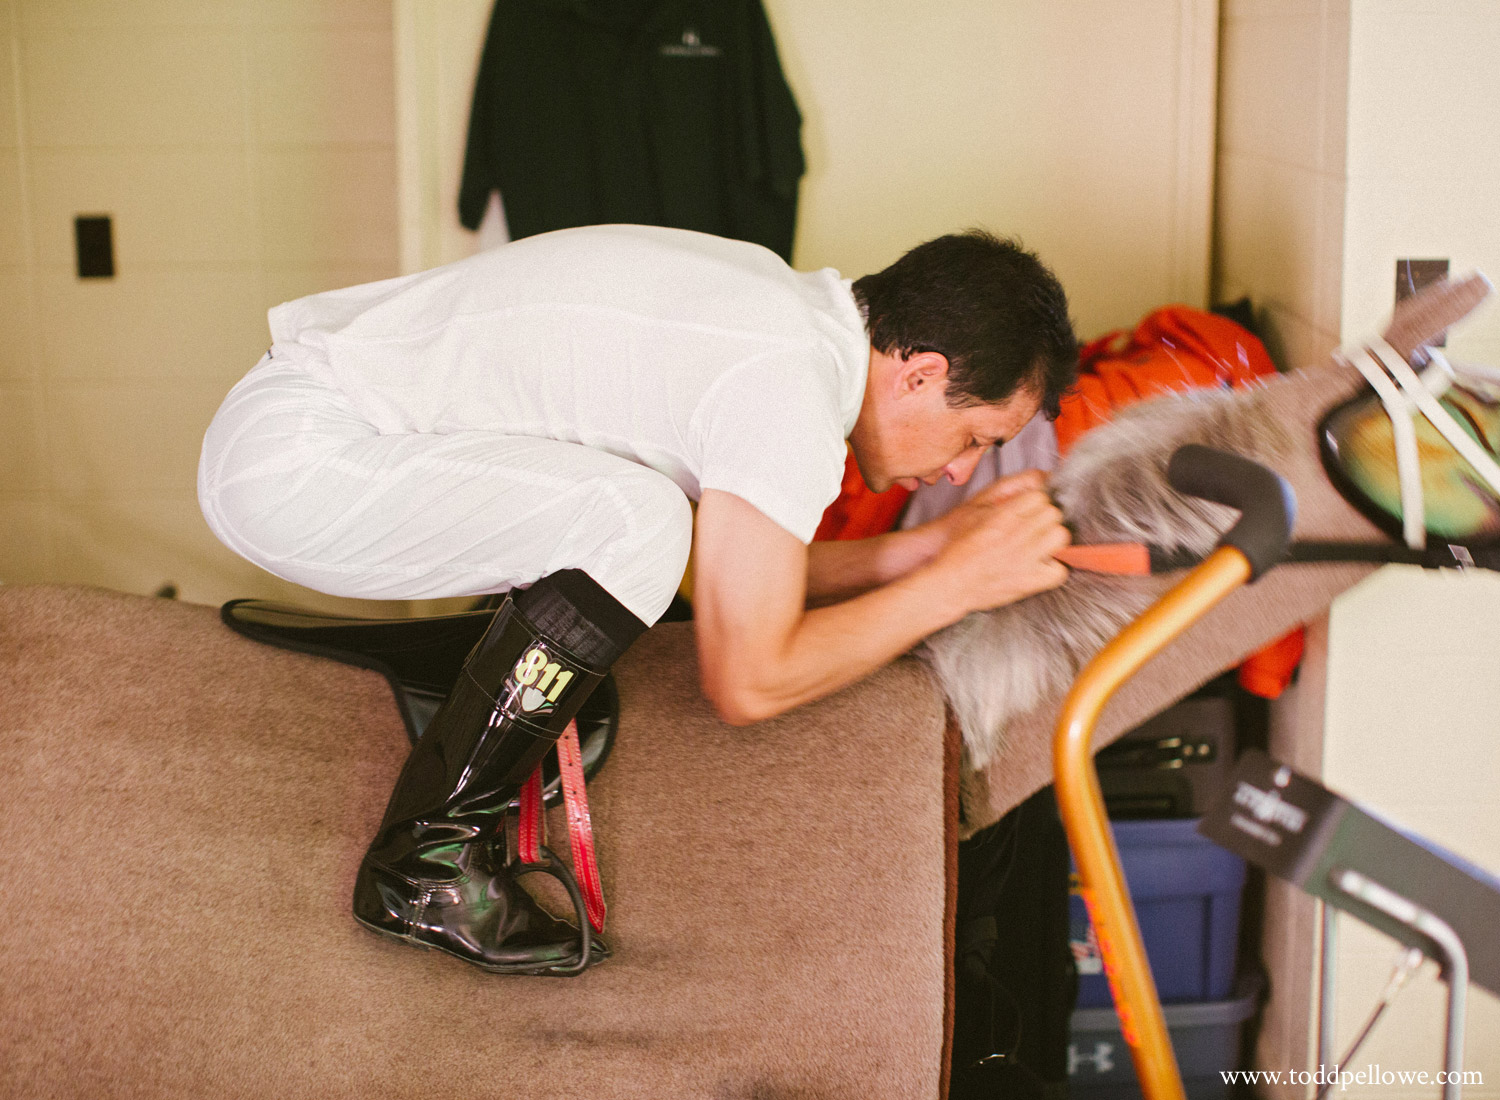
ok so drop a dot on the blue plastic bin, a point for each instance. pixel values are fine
(1187, 893)
(1205, 1037)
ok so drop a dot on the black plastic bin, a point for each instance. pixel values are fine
(1175, 764)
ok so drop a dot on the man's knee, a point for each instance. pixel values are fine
(666, 519)
(644, 557)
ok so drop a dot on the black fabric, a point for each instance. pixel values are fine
(574, 611)
(1016, 981)
(652, 112)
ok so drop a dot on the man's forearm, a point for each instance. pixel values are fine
(841, 570)
(831, 647)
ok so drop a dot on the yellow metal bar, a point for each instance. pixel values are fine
(1082, 808)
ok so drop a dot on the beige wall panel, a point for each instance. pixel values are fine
(1285, 1036)
(1270, 71)
(322, 84)
(153, 325)
(1424, 174)
(139, 544)
(1333, 95)
(462, 32)
(1413, 690)
(130, 440)
(1278, 221)
(1293, 341)
(16, 327)
(1444, 128)
(129, 87)
(12, 228)
(1288, 946)
(1400, 747)
(1328, 275)
(20, 443)
(322, 13)
(981, 121)
(437, 59)
(26, 541)
(114, 14)
(9, 133)
(1267, 231)
(170, 206)
(328, 205)
(141, 109)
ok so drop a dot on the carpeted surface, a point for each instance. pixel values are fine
(182, 812)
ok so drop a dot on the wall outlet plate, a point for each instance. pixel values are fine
(94, 234)
(1413, 275)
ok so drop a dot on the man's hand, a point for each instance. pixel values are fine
(999, 544)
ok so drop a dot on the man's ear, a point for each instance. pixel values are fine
(921, 370)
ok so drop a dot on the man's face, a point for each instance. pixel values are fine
(909, 435)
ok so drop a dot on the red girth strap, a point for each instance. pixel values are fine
(580, 824)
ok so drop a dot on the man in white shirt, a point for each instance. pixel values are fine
(536, 418)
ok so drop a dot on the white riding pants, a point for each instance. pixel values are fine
(294, 480)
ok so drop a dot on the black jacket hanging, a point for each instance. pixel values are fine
(656, 112)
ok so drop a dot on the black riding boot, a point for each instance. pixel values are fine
(429, 877)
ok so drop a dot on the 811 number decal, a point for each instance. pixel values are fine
(540, 679)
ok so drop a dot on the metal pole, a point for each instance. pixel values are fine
(1453, 959)
(1327, 951)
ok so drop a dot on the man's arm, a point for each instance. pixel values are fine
(762, 651)
(840, 569)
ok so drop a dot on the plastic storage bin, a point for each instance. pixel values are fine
(1205, 1037)
(1187, 893)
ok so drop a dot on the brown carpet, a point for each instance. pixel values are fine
(182, 812)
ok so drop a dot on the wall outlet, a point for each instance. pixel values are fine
(1413, 275)
(94, 235)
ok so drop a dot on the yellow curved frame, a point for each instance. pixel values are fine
(1081, 805)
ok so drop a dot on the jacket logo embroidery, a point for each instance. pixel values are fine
(690, 46)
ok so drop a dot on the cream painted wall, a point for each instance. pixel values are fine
(1413, 730)
(1085, 129)
(1413, 711)
(1354, 133)
(1423, 163)
(1279, 203)
(246, 152)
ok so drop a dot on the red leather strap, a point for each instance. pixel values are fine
(529, 829)
(531, 826)
(580, 825)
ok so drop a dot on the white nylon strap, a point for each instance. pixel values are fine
(1439, 417)
(1408, 465)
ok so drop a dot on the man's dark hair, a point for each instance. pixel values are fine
(991, 307)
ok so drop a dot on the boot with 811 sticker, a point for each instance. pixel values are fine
(432, 876)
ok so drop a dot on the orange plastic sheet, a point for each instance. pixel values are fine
(1173, 348)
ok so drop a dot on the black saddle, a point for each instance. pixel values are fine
(420, 658)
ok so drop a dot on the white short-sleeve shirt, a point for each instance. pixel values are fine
(706, 359)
